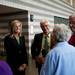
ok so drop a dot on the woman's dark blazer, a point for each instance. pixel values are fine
(16, 53)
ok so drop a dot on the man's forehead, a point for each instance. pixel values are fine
(72, 18)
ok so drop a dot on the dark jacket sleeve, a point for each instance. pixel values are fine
(34, 49)
(7, 47)
(25, 55)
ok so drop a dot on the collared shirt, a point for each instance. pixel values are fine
(60, 60)
(43, 40)
(43, 43)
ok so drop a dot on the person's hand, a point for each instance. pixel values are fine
(40, 60)
(22, 67)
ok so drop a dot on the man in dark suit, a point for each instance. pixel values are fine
(41, 44)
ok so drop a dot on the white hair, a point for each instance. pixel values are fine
(44, 21)
(62, 32)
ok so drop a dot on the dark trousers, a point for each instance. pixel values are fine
(39, 68)
(19, 73)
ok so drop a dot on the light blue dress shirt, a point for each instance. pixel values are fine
(60, 60)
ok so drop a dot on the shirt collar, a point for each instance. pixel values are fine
(62, 43)
(47, 35)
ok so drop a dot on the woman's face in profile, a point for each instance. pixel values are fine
(17, 28)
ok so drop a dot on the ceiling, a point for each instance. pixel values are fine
(6, 9)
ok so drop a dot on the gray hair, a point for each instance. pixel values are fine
(62, 32)
(44, 21)
(12, 24)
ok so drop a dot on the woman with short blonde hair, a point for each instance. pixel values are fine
(14, 44)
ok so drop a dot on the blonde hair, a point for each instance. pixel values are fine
(12, 23)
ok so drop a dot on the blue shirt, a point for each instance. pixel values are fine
(60, 60)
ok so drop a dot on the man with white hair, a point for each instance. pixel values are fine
(41, 44)
(61, 59)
